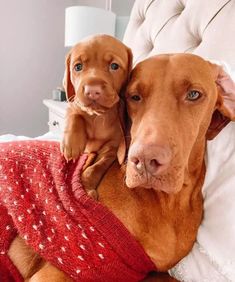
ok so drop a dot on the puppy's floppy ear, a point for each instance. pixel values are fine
(225, 106)
(124, 143)
(130, 61)
(68, 86)
(123, 116)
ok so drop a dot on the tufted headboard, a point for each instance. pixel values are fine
(202, 27)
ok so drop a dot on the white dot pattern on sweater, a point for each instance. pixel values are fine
(101, 256)
(41, 246)
(20, 218)
(83, 247)
(102, 245)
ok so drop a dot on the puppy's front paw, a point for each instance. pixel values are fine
(71, 147)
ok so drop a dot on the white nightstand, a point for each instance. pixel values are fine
(57, 112)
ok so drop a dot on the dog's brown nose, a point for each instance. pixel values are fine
(93, 92)
(152, 159)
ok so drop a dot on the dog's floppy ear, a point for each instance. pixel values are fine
(130, 61)
(68, 86)
(125, 140)
(225, 106)
(123, 116)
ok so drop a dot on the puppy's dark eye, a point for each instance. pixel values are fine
(136, 98)
(193, 95)
(114, 66)
(78, 67)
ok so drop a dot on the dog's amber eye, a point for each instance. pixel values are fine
(78, 67)
(193, 95)
(135, 98)
(114, 66)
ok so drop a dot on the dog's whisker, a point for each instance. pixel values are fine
(71, 98)
(124, 180)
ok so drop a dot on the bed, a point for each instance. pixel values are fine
(205, 28)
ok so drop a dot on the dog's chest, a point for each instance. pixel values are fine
(97, 128)
(102, 128)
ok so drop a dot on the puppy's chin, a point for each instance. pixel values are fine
(94, 110)
(95, 107)
(89, 109)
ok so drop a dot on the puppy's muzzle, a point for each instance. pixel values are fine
(93, 92)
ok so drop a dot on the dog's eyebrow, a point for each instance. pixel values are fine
(187, 83)
(110, 56)
(80, 57)
(137, 87)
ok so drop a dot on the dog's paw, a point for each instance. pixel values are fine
(71, 148)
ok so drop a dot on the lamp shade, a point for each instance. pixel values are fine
(82, 21)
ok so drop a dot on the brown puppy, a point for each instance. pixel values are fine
(97, 69)
(175, 103)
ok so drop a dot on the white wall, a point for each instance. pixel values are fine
(31, 62)
(32, 59)
(120, 7)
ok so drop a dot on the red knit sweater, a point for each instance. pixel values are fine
(79, 236)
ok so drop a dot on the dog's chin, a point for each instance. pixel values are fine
(95, 107)
(91, 108)
(162, 183)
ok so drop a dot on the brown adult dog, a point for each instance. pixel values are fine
(175, 103)
(97, 69)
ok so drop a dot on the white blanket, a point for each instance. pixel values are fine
(47, 136)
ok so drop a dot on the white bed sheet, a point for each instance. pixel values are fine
(46, 136)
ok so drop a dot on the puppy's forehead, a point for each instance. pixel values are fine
(100, 46)
(173, 67)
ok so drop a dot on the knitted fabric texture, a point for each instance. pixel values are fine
(79, 236)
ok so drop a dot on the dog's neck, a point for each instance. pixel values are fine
(165, 224)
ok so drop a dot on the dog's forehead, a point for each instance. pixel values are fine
(174, 66)
(99, 47)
